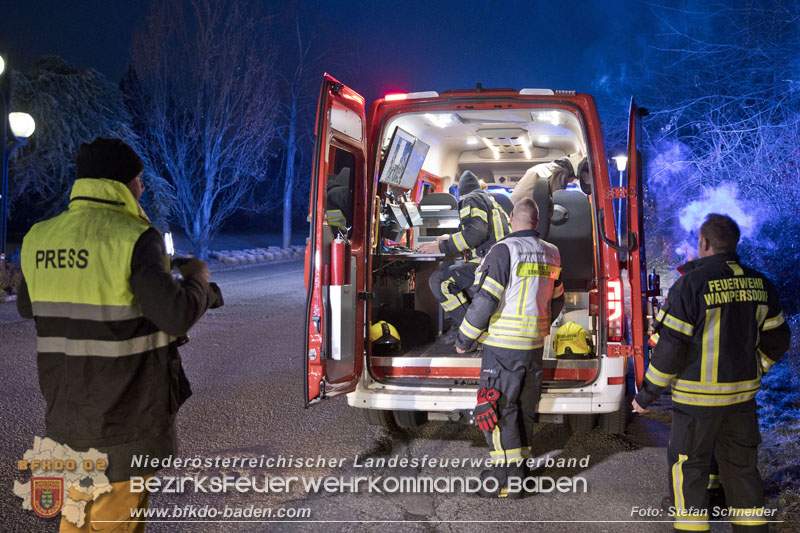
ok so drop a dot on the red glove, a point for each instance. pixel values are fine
(484, 413)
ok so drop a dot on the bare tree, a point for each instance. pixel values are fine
(295, 111)
(726, 120)
(205, 69)
(727, 95)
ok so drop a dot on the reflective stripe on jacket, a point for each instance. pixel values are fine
(105, 370)
(517, 281)
(482, 223)
(720, 329)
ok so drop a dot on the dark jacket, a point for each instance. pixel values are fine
(482, 223)
(104, 400)
(720, 329)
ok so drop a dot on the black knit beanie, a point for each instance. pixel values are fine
(583, 166)
(108, 158)
(467, 183)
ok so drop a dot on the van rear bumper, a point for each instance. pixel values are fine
(600, 397)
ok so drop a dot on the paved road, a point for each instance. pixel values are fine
(244, 361)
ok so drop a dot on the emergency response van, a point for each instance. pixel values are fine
(386, 180)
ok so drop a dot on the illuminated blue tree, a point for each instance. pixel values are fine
(208, 101)
(721, 83)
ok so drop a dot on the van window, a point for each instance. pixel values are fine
(339, 192)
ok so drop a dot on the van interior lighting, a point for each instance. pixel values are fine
(395, 96)
(525, 142)
(490, 146)
(550, 117)
(622, 162)
(543, 139)
(439, 120)
(472, 140)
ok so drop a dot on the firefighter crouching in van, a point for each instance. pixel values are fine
(482, 223)
(519, 291)
(720, 329)
(108, 320)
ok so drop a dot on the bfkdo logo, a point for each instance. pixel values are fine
(62, 480)
(47, 495)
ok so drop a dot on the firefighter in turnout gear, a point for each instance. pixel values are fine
(518, 293)
(719, 331)
(109, 318)
(483, 222)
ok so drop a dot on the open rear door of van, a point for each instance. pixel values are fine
(637, 264)
(335, 269)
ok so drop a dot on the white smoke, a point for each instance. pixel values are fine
(723, 200)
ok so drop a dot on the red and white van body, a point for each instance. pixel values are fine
(514, 130)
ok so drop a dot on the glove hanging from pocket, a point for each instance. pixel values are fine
(484, 414)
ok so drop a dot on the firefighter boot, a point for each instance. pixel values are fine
(448, 338)
(716, 501)
(502, 474)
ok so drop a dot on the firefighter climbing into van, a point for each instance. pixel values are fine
(519, 292)
(482, 223)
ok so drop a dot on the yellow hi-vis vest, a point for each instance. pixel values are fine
(522, 319)
(104, 369)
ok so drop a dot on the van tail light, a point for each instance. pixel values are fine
(615, 314)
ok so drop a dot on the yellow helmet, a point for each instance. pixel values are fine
(384, 337)
(570, 340)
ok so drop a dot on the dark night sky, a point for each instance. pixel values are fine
(412, 45)
(87, 33)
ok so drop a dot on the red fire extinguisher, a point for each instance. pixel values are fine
(337, 262)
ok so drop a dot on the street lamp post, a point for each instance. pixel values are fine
(16, 127)
(622, 163)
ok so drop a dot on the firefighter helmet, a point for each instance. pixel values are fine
(572, 340)
(384, 338)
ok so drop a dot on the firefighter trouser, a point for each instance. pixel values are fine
(517, 375)
(451, 286)
(112, 511)
(732, 438)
